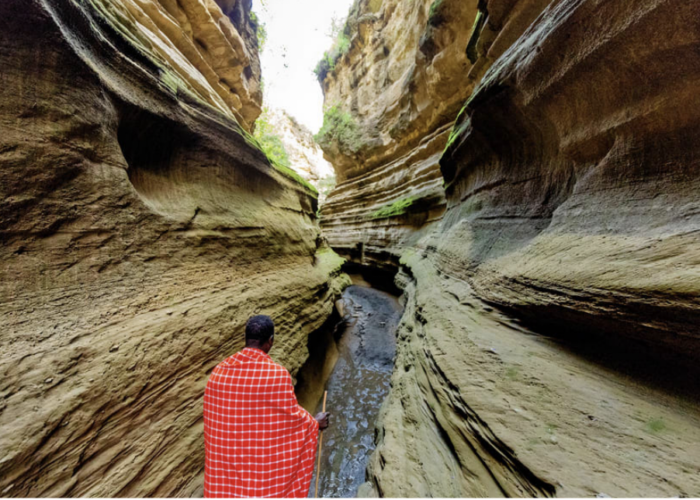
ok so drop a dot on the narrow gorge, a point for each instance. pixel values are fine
(524, 173)
(529, 171)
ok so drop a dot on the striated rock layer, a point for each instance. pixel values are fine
(398, 88)
(576, 184)
(401, 85)
(139, 229)
(569, 203)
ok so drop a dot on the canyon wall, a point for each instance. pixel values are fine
(140, 227)
(547, 243)
(393, 97)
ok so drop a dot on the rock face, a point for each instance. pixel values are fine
(139, 229)
(305, 155)
(550, 341)
(584, 203)
(398, 89)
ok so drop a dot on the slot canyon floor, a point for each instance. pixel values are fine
(363, 349)
(575, 397)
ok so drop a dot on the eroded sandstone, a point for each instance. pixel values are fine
(140, 228)
(550, 336)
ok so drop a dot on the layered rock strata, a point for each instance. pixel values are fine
(577, 188)
(550, 337)
(196, 49)
(483, 405)
(140, 227)
(399, 89)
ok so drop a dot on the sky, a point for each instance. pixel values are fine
(297, 36)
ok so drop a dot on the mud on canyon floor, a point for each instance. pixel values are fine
(360, 352)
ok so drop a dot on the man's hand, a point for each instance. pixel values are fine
(322, 419)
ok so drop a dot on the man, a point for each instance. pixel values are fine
(259, 442)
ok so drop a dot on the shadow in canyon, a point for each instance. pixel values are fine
(641, 363)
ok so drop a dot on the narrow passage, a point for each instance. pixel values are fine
(357, 386)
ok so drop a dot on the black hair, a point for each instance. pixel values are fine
(259, 328)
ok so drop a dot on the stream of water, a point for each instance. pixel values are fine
(357, 387)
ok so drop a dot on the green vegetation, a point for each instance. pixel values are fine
(325, 65)
(339, 126)
(170, 80)
(512, 373)
(398, 207)
(404, 205)
(330, 57)
(472, 53)
(341, 32)
(271, 144)
(260, 31)
(656, 425)
(460, 126)
(434, 16)
(288, 172)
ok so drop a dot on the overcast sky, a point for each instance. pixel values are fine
(297, 36)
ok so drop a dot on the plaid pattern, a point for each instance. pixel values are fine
(259, 442)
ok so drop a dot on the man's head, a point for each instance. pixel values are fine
(260, 333)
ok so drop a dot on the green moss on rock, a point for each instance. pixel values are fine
(434, 14)
(472, 52)
(399, 207)
(339, 127)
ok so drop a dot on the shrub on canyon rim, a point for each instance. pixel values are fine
(339, 127)
(330, 58)
(260, 31)
(341, 31)
(270, 143)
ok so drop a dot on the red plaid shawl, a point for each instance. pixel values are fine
(259, 442)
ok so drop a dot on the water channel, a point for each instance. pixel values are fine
(356, 359)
